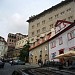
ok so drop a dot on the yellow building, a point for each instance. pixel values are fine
(39, 50)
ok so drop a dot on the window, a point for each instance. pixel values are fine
(53, 44)
(53, 54)
(38, 31)
(38, 24)
(60, 40)
(74, 33)
(50, 18)
(71, 34)
(56, 16)
(51, 26)
(68, 10)
(61, 51)
(62, 12)
(32, 33)
(10, 40)
(2, 47)
(43, 22)
(33, 27)
(44, 29)
(70, 18)
(41, 52)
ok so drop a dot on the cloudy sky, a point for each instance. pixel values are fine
(14, 13)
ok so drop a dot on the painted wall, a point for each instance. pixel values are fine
(67, 44)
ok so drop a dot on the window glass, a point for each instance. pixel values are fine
(53, 44)
(74, 33)
(53, 55)
(69, 36)
(60, 41)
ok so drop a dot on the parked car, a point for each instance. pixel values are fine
(46, 63)
(72, 66)
(10, 62)
(1, 64)
(21, 62)
(58, 65)
(17, 62)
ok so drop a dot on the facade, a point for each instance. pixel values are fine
(39, 50)
(11, 41)
(63, 41)
(41, 24)
(19, 45)
(3, 47)
(48, 47)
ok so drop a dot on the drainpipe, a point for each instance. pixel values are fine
(48, 51)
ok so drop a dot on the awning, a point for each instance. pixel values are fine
(59, 56)
(66, 55)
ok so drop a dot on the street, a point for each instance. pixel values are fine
(8, 69)
(36, 70)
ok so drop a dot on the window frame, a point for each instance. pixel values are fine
(72, 34)
(60, 41)
(53, 44)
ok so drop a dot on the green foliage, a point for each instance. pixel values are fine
(24, 53)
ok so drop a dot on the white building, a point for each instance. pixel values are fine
(63, 41)
(3, 47)
(21, 43)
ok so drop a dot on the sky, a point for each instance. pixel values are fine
(15, 13)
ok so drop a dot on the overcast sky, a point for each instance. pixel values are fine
(14, 13)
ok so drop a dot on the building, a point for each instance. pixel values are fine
(63, 41)
(41, 24)
(19, 45)
(11, 41)
(3, 47)
(50, 46)
(40, 49)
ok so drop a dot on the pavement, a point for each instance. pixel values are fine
(8, 69)
(32, 65)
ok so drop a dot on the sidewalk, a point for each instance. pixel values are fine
(32, 65)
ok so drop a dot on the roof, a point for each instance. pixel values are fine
(50, 9)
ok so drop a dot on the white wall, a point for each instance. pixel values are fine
(3, 48)
(66, 43)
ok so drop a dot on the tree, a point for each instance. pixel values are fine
(24, 53)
